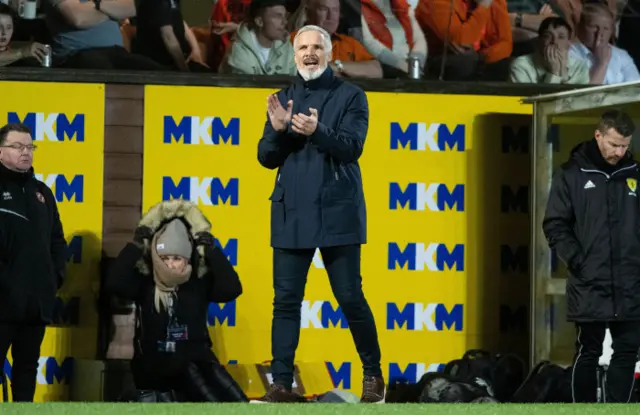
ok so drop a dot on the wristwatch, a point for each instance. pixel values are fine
(339, 65)
(518, 20)
(96, 3)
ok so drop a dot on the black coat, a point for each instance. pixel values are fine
(32, 249)
(220, 284)
(213, 279)
(592, 221)
(318, 200)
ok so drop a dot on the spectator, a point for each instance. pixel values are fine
(551, 62)
(349, 57)
(571, 10)
(23, 54)
(226, 15)
(164, 36)
(86, 35)
(476, 33)
(391, 34)
(262, 45)
(607, 64)
(172, 270)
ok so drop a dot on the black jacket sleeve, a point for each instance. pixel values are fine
(58, 246)
(273, 147)
(123, 280)
(225, 284)
(559, 221)
(347, 142)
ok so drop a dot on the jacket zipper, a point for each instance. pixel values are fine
(613, 286)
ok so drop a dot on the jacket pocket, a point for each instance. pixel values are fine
(340, 210)
(277, 210)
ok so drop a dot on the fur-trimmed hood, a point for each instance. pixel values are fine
(162, 213)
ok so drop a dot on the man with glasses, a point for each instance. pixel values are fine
(32, 258)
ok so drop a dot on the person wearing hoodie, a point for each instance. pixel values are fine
(592, 221)
(172, 271)
(32, 258)
(261, 45)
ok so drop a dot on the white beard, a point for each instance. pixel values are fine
(309, 76)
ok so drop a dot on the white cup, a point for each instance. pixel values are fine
(27, 9)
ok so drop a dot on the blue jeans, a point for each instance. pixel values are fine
(290, 269)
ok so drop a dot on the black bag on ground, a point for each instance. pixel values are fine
(443, 388)
(499, 375)
(546, 383)
(150, 396)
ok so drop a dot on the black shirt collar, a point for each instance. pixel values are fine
(15, 176)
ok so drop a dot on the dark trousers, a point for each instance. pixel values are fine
(114, 57)
(191, 380)
(620, 375)
(290, 268)
(25, 341)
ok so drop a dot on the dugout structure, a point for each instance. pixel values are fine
(560, 121)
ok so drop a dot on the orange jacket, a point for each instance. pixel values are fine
(489, 28)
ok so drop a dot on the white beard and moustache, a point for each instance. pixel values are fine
(309, 76)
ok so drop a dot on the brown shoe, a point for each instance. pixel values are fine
(373, 390)
(279, 394)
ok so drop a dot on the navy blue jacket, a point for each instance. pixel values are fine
(318, 199)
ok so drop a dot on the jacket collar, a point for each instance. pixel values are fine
(15, 176)
(323, 82)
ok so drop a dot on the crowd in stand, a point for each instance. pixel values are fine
(520, 41)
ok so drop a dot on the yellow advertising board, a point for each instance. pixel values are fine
(433, 182)
(67, 124)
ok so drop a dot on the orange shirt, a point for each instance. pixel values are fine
(346, 48)
(486, 28)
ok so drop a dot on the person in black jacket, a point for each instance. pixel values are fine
(32, 258)
(592, 222)
(317, 202)
(173, 270)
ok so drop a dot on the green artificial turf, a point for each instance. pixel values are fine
(314, 409)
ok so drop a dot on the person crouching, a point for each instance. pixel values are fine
(172, 270)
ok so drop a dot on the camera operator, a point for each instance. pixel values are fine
(172, 271)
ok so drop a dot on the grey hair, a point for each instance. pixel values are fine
(326, 37)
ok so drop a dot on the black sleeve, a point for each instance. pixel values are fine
(157, 13)
(559, 221)
(225, 284)
(58, 245)
(123, 280)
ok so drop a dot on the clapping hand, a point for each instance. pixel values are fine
(305, 124)
(279, 117)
